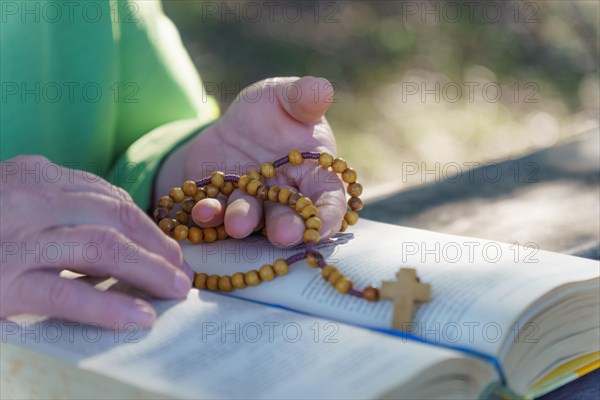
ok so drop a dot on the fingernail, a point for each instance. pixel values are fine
(182, 282)
(206, 216)
(143, 314)
(188, 270)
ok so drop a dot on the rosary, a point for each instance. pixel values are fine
(404, 292)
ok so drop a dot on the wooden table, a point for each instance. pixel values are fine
(550, 198)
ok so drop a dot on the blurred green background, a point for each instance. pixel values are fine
(419, 82)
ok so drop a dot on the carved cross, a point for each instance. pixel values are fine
(404, 292)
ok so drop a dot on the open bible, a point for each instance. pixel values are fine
(503, 318)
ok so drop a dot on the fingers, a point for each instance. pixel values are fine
(285, 227)
(76, 300)
(243, 215)
(209, 213)
(240, 212)
(125, 217)
(98, 250)
(326, 190)
(76, 180)
(305, 99)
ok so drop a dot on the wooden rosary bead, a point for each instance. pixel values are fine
(180, 232)
(263, 231)
(243, 181)
(166, 202)
(266, 272)
(221, 232)
(293, 199)
(176, 194)
(253, 186)
(312, 259)
(175, 223)
(187, 205)
(280, 266)
(303, 202)
(351, 217)
(195, 235)
(224, 284)
(160, 213)
(267, 170)
(339, 165)
(325, 160)
(182, 217)
(217, 178)
(210, 235)
(355, 204)
(334, 277)
(311, 235)
(328, 270)
(189, 188)
(354, 189)
(200, 280)
(263, 192)
(313, 223)
(274, 193)
(237, 280)
(295, 157)
(254, 174)
(252, 278)
(309, 211)
(166, 225)
(284, 195)
(370, 293)
(344, 226)
(349, 175)
(200, 195)
(227, 189)
(343, 285)
(212, 282)
(212, 190)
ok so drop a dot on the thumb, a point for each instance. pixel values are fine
(305, 99)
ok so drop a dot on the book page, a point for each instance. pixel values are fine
(211, 346)
(479, 287)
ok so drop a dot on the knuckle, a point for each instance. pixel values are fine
(105, 238)
(175, 252)
(122, 194)
(129, 215)
(61, 295)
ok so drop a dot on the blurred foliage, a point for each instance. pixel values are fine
(542, 55)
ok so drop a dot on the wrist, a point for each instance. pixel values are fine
(171, 173)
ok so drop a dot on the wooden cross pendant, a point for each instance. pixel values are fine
(404, 292)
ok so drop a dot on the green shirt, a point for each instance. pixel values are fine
(87, 84)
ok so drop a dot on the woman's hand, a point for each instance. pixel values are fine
(84, 224)
(266, 121)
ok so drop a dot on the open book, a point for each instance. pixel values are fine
(502, 318)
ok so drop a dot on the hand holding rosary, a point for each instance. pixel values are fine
(190, 193)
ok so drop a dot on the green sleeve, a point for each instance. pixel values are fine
(154, 62)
